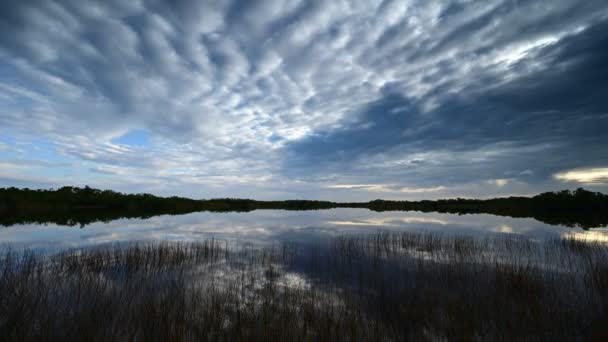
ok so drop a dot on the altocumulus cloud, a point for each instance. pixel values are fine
(277, 99)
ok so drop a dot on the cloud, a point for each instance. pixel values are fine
(584, 176)
(498, 182)
(392, 188)
(537, 126)
(292, 95)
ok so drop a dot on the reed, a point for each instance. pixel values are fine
(385, 286)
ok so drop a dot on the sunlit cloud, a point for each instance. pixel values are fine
(499, 182)
(355, 186)
(385, 188)
(585, 176)
(421, 190)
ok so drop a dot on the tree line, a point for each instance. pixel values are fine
(81, 206)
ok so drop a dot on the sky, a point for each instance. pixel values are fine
(336, 100)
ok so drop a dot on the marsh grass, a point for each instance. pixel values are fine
(386, 286)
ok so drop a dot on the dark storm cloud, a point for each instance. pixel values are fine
(561, 108)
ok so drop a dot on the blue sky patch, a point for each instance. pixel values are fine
(135, 138)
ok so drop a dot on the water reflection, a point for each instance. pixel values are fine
(270, 226)
(389, 221)
(597, 235)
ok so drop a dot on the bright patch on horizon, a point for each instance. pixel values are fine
(506, 229)
(385, 188)
(389, 221)
(498, 182)
(598, 235)
(585, 176)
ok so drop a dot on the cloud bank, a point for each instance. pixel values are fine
(285, 99)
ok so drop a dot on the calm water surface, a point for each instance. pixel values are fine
(262, 227)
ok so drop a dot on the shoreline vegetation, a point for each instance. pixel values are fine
(410, 286)
(82, 206)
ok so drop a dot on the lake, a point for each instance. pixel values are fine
(265, 227)
(321, 274)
